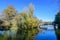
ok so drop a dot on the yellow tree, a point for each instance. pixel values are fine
(9, 12)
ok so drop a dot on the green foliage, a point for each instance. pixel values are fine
(58, 34)
(57, 20)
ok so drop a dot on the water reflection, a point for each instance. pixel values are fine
(2, 32)
(47, 34)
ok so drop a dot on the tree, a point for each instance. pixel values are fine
(31, 9)
(57, 19)
(25, 25)
(28, 25)
(9, 12)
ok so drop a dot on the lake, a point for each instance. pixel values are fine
(48, 34)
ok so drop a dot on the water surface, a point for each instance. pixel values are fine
(48, 34)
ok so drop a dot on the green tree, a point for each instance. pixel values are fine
(57, 19)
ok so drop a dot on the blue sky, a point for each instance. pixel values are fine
(44, 9)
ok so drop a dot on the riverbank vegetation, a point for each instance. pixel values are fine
(58, 34)
(57, 23)
(23, 24)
